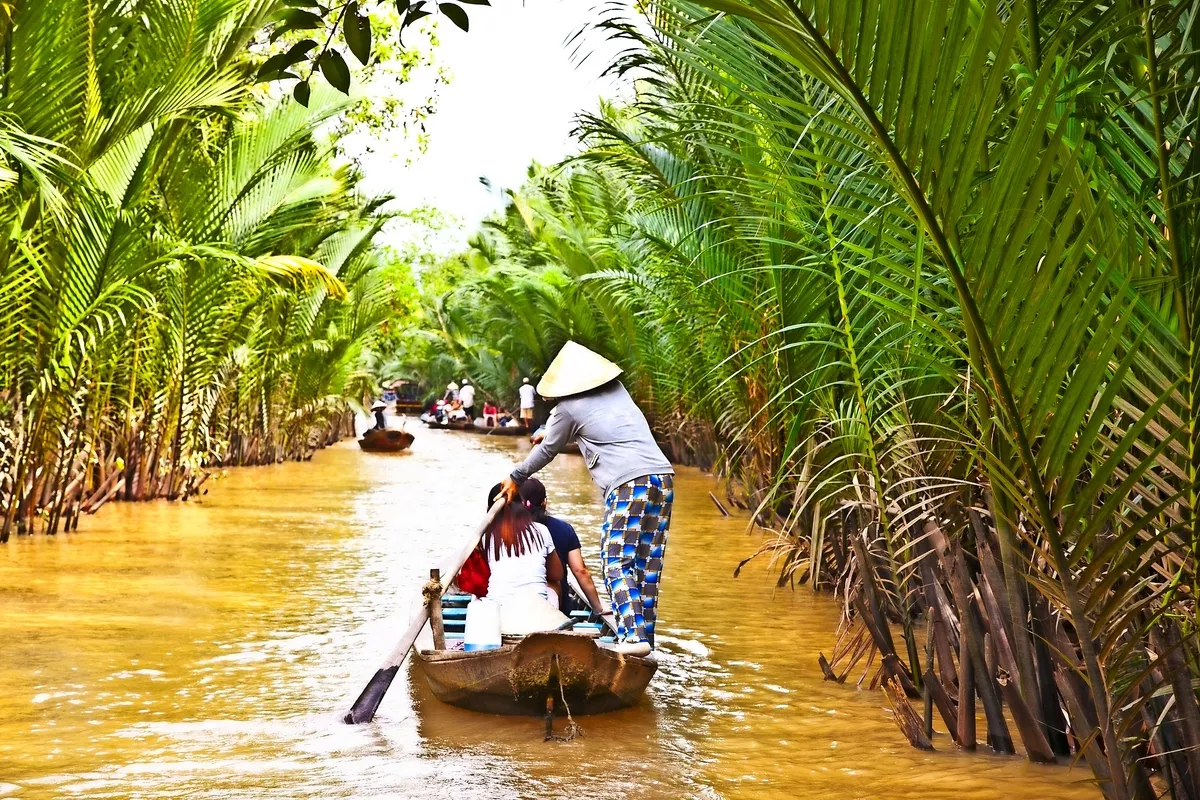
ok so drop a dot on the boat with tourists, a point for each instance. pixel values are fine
(441, 423)
(406, 396)
(571, 447)
(498, 430)
(562, 671)
(433, 422)
(568, 666)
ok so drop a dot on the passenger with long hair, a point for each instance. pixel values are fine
(525, 569)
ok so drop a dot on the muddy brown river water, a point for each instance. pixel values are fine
(205, 650)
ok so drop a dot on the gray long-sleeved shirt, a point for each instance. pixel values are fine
(613, 438)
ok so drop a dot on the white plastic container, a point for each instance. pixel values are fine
(483, 625)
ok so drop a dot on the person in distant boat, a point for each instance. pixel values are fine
(377, 410)
(566, 544)
(451, 392)
(467, 396)
(527, 401)
(594, 410)
(456, 413)
(525, 569)
(490, 413)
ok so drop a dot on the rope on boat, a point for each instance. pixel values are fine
(431, 589)
(573, 730)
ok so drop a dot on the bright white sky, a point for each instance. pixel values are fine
(514, 91)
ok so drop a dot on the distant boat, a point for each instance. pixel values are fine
(497, 430)
(571, 447)
(386, 441)
(445, 426)
(473, 427)
(407, 395)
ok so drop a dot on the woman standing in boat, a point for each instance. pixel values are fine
(594, 410)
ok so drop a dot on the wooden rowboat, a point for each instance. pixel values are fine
(376, 441)
(523, 676)
(496, 430)
(533, 674)
(566, 670)
(571, 447)
(449, 426)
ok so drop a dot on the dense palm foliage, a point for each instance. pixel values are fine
(925, 274)
(186, 272)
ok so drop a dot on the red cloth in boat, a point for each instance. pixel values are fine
(474, 575)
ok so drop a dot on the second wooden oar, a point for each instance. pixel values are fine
(368, 702)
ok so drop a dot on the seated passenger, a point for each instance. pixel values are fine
(566, 544)
(525, 570)
(489, 413)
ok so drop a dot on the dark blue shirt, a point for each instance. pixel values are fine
(565, 540)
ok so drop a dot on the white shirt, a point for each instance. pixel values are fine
(515, 575)
(527, 395)
(467, 395)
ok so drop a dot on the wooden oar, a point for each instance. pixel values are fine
(368, 702)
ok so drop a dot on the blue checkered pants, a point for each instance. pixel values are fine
(637, 516)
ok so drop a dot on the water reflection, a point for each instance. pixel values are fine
(207, 649)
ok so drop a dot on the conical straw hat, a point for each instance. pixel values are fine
(576, 369)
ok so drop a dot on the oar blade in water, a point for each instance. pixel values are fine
(367, 704)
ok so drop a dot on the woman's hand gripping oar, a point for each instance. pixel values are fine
(365, 706)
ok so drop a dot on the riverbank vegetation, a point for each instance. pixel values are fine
(186, 265)
(918, 279)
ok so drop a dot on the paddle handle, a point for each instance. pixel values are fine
(368, 702)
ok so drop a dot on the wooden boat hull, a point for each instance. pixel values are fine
(518, 678)
(385, 441)
(450, 426)
(498, 431)
(571, 447)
